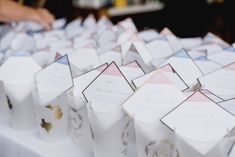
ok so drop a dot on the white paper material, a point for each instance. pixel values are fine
(6, 40)
(134, 55)
(109, 124)
(228, 105)
(190, 43)
(111, 56)
(53, 80)
(185, 67)
(211, 95)
(19, 69)
(196, 121)
(209, 48)
(220, 82)
(206, 66)
(224, 57)
(148, 35)
(59, 23)
(132, 71)
(52, 118)
(80, 126)
(5, 106)
(147, 105)
(160, 48)
(78, 111)
(81, 82)
(109, 90)
(84, 59)
(212, 38)
(169, 72)
(21, 105)
(115, 138)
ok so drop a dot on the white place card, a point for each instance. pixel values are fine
(224, 57)
(109, 124)
(220, 82)
(109, 90)
(113, 55)
(196, 122)
(132, 71)
(133, 54)
(147, 105)
(185, 67)
(53, 80)
(228, 105)
(84, 59)
(81, 82)
(212, 38)
(205, 65)
(168, 71)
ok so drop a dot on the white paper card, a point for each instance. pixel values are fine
(185, 67)
(220, 82)
(196, 121)
(169, 72)
(53, 80)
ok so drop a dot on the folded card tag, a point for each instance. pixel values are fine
(209, 48)
(169, 72)
(80, 43)
(205, 65)
(211, 95)
(53, 80)
(81, 82)
(220, 82)
(84, 59)
(189, 43)
(133, 54)
(148, 35)
(106, 36)
(19, 69)
(113, 55)
(196, 122)
(132, 71)
(109, 90)
(224, 57)
(128, 24)
(172, 39)
(228, 105)
(155, 98)
(160, 48)
(212, 38)
(185, 67)
(89, 22)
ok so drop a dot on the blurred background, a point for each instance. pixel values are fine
(186, 18)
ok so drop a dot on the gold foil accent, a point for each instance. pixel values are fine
(46, 125)
(57, 111)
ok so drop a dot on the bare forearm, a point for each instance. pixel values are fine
(11, 11)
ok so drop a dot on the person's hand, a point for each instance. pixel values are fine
(45, 18)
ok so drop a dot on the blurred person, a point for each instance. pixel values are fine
(11, 11)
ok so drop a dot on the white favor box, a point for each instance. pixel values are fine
(110, 133)
(20, 102)
(80, 126)
(52, 118)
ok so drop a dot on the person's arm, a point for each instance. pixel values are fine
(12, 11)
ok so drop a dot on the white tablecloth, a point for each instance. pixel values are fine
(28, 144)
